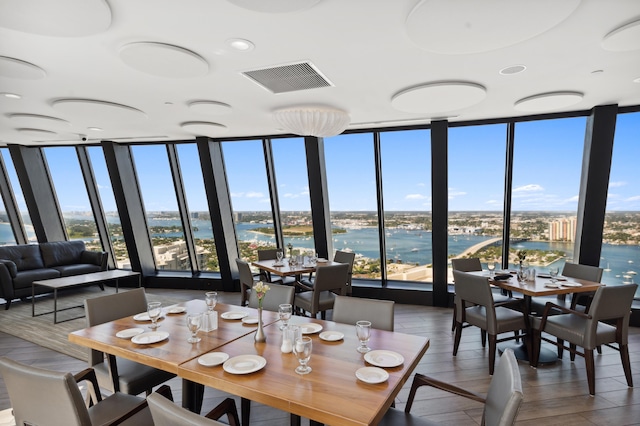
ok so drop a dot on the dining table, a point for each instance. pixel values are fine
(285, 269)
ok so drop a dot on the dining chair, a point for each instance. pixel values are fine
(481, 310)
(246, 280)
(277, 295)
(501, 404)
(115, 373)
(340, 256)
(166, 413)
(330, 280)
(44, 397)
(270, 254)
(349, 310)
(606, 322)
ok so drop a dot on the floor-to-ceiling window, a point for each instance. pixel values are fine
(6, 232)
(17, 192)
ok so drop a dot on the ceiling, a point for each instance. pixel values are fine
(152, 70)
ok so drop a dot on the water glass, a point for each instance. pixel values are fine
(491, 267)
(279, 255)
(211, 299)
(302, 351)
(363, 331)
(553, 271)
(284, 314)
(194, 322)
(154, 309)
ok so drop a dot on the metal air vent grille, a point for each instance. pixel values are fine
(289, 78)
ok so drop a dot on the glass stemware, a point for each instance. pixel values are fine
(194, 322)
(363, 331)
(491, 267)
(284, 314)
(302, 351)
(553, 271)
(211, 299)
(154, 309)
(279, 255)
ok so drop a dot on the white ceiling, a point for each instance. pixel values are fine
(147, 70)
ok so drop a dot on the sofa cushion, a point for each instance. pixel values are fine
(25, 256)
(24, 278)
(61, 252)
(80, 268)
(11, 267)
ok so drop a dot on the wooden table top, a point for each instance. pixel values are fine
(566, 285)
(331, 393)
(286, 270)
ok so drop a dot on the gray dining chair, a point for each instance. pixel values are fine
(115, 373)
(166, 413)
(269, 254)
(246, 280)
(606, 322)
(501, 404)
(349, 310)
(330, 280)
(277, 295)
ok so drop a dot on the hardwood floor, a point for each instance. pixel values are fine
(555, 394)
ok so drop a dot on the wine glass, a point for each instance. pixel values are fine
(194, 322)
(154, 309)
(279, 255)
(211, 299)
(284, 313)
(302, 351)
(491, 267)
(553, 271)
(363, 330)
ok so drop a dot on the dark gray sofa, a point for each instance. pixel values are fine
(22, 264)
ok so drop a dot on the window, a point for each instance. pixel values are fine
(17, 192)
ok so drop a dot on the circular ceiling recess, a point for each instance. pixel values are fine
(623, 39)
(36, 132)
(35, 121)
(59, 18)
(204, 128)
(548, 101)
(471, 26)
(97, 113)
(275, 6)
(164, 60)
(15, 68)
(209, 107)
(438, 97)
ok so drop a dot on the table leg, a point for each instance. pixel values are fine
(192, 394)
(55, 305)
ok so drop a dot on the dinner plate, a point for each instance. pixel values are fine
(559, 278)
(571, 284)
(234, 315)
(552, 285)
(129, 333)
(544, 275)
(213, 358)
(150, 337)
(244, 364)
(310, 328)
(331, 336)
(321, 260)
(382, 358)
(372, 374)
(250, 320)
(176, 310)
(143, 316)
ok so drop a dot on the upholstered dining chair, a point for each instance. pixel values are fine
(606, 322)
(44, 397)
(481, 310)
(501, 404)
(246, 280)
(349, 310)
(122, 375)
(270, 254)
(166, 413)
(277, 295)
(339, 257)
(330, 280)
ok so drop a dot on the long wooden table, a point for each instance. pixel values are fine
(286, 270)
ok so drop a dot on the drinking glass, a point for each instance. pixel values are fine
(302, 351)
(284, 313)
(211, 299)
(553, 271)
(154, 309)
(363, 330)
(194, 322)
(491, 267)
(279, 255)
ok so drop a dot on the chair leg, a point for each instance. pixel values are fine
(626, 365)
(245, 410)
(456, 339)
(453, 324)
(492, 352)
(599, 349)
(591, 371)
(560, 348)
(483, 337)
(536, 341)
(572, 355)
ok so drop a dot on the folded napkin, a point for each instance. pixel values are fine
(502, 277)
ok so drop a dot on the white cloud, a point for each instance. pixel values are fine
(494, 202)
(454, 194)
(254, 195)
(237, 194)
(532, 187)
(415, 197)
(573, 199)
(421, 184)
(634, 198)
(617, 184)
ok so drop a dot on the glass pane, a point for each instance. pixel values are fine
(290, 163)
(6, 232)
(161, 207)
(71, 193)
(546, 181)
(476, 192)
(247, 178)
(406, 187)
(351, 182)
(199, 217)
(105, 191)
(17, 192)
(620, 256)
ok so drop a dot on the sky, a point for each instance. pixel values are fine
(547, 165)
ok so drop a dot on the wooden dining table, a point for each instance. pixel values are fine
(284, 269)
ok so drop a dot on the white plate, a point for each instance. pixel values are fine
(244, 364)
(552, 285)
(331, 336)
(143, 316)
(233, 315)
(278, 263)
(321, 260)
(250, 320)
(129, 333)
(176, 310)
(372, 374)
(559, 278)
(544, 275)
(310, 328)
(382, 358)
(150, 337)
(212, 359)
(571, 284)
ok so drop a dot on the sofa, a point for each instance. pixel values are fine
(21, 265)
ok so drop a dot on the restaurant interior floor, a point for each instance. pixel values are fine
(554, 394)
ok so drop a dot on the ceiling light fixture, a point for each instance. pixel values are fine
(513, 69)
(321, 122)
(12, 95)
(241, 44)
(94, 129)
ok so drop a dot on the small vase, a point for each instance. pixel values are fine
(260, 337)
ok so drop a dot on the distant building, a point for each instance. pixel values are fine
(563, 230)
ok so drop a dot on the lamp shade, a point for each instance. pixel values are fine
(319, 122)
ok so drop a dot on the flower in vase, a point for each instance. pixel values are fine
(261, 289)
(522, 255)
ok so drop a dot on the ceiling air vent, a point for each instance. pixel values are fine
(289, 78)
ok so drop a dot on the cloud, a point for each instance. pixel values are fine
(634, 198)
(494, 202)
(237, 194)
(421, 184)
(453, 194)
(415, 197)
(573, 199)
(532, 187)
(290, 195)
(254, 195)
(617, 184)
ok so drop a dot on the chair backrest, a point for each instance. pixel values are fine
(475, 290)
(610, 303)
(43, 397)
(267, 254)
(349, 310)
(112, 307)
(246, 276)
(582, 272)
(329, 278)
(466, 265)
(167, 413)
(277, 295)
(505, 392)
(348, 258)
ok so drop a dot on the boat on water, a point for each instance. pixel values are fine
(415, 249)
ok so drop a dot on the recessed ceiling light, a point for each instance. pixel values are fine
(94, 129)
(241, 44)
(11, 95)
(513, 69)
